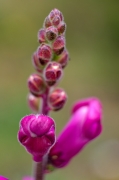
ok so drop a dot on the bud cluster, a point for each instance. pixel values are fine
(49, 60)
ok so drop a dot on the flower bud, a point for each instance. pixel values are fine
(36, 84)
(37, 135)
(57, 99)
(52, 73)
(47, 22)
(33, 103)
(54, 13)
(63, 58)
(61, 28)
(3, 178)
(59, 44)
(56, 21)
(28, 178)
(44, 54)
(41, 35)
(36, 63)
(84, 125)
(51, 33)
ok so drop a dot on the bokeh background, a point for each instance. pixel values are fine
(93, 42)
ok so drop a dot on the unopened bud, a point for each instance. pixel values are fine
(41, 35)
(63, 58)
(33, 103)
(47, 22)
(54, 13)
(58, 45)
(36, 63)
(57, 99)
(61, 28)
(36, 84)
(53, 73)
(56, 21)
(44, 54)
(51, 33)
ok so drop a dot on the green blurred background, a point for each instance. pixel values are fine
(93, 42)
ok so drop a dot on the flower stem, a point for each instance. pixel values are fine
(40, 166)
(38, 172)
(44, 107)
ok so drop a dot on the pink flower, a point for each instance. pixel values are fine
(3, 178)
(37, 134)
(83, 126)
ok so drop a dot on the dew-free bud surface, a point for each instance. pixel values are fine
(33, 103)
(63, 58)
(41, 36)
(57, 99)
(36, 63)
(59, 44)
(44, 54)
(51, 33)
(36, 84)
(52, 73)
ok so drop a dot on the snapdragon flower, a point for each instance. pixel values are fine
(83, 126)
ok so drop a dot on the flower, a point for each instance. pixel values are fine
(83, 126)
(3, 178)
(37, 134)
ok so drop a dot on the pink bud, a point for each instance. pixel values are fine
(83, 126)
(44, 54)
(52, 73)
(61, 28)
(41, 35)
(63, 58)
(54, 13)
(3, 178)
(37, 135)
(33, 102)
(57, 99)
(51, 33)
(47, 22)
(59, 44)
(36, 63)
(36, 84)
(56, 20)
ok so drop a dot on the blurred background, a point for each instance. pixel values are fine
(93, 42)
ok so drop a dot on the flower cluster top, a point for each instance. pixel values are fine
(49, 60)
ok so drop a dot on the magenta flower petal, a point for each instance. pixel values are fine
(37, 134)
(3, 178)
(83, 126)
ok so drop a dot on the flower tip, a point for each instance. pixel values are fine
(90, 110)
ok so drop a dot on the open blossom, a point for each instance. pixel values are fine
(3, 178)
(83, 126)
(37, 135)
